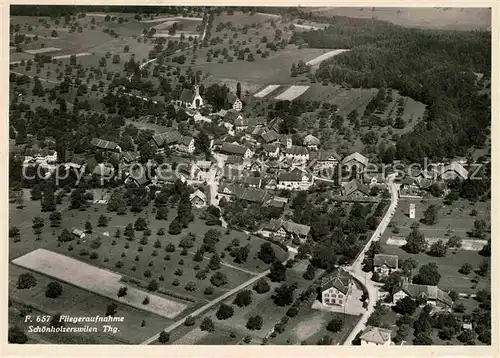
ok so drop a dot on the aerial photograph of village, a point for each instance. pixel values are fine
(214, 175)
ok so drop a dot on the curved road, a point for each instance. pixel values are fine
(356, 268)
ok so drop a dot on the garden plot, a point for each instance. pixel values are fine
(325, 56)
(42, 50)
(291, 93)
(266, 91)
(94, 279)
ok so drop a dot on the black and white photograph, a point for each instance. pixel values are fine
(249, 175)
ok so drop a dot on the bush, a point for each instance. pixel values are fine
(207, 325)
(224, 312)
(335, 325)
(189, 321)
(164, 337)
(209, 290)
(262, 286)
(243, 298)
(176, 282)
(254, 323)
(17, 336)
(153, 285)
(26, 280)
(218, 279)
(122, 291)
(145, 301)
(54, 289)
(292, 311)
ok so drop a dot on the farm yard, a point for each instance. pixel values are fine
(452, 220)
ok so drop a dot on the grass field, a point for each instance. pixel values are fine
(75, 301)
(456, 219)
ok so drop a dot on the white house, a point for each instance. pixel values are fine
(355, 159)
(336, 289)
(296, 153)
(78, 233)
(271, 150)
(42, 156)
(296, 179)
(234, 102)
(376, 336)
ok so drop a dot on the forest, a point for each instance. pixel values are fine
(435, 67)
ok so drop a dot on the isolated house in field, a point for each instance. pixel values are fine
(78, 233)
(285, 230)
(236, 149)
(355, 189)
(191, 99)
(357, 161)
(432, 294)
(234, 102)
(312, 142)
(384, 265)
(336, 289)
(105, 145)
(452, 171)
(296, 179)
(198, 199)
(376, 336)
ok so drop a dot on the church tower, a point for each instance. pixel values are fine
(197, 100)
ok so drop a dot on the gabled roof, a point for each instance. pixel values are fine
(389, 260)
(187, 95)
(289, 226)
(357, 157)
(367, 177)
(139, 175)
(167, 138)
(296, 150)
(339, 280)
(270, 148)
(431, 292)
(269, 136)
(198, 194)
(325, 155)
(235, 149)
(376, 335)
(130, 156)
(77, 232)
(103, 144)
(254, 195)
(311, 140)
(354, 185)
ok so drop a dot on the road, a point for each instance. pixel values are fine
(356, 268)
(209, 305)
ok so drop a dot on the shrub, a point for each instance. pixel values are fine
(54, 289)
(164, 337)
(176, 282)
(254, 323)
(26, 280)
(122, 291)
(209, 290)
(189, 321)
(224, 311)
(145, 301)
(335, 325)
(207, 325)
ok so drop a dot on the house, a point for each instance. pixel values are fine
(410, 183)
(75, 161)
(374, 179)
(185, 144)
(105, 145)
(138, 175)
(384, 265)
(432, 294)
(236, 149)
(355, 160)
(271, 150)
(234, 102)
(234, 161)
(270, 136)
(242, 124)
(105, 172)
(198, 199)
(355, 188)
(376, 336)
(176, 141)
(296, 153)
(336, 289)
(452, 171)
(323, 162)
(285, 230)
(268, 182)
(311, 142)
(190, 99)
(235, 191)
(296, 179)
(130, 157)
(78, 233)
(200, 118)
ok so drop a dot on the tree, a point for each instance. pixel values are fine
(467, 336)
(54, 33)
(207, 325)
(14, 231)
(422, 339)
(277, 272)
(122, 291)
(415, 242)
(17, 336)
(198, 256)
(129, 231)
(111, 309)
(309, 273)
(38, 222)
(479, 229)
(162, 213)
(26, 280)
(175, 227)
(438, 249)
(266, 253)
(335, 325)
(54, 290)
(102, 62)
(214, 263)
(164, 337)
(262, 286)
(428, 275)
(218, 279)
(103, 221)
(189, 321)
(243, 298)
(431, 215)
(238, 90)
(406, 306)
(126, 48)
(224, 311)
(483, 268)
(283, 295)
(116, 58)
(140, 224)
(88, 227)
(254, 323)
(465, 269)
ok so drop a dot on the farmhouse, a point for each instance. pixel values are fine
(432, 294)
(236, 149)
(242, 124)
(285, 230)
(105, 145)
(355, 188)
(198, 199)
(130, 157)
(336, 289)
(384, 265)
(234, 102)
(296, 153)
(376, 336)
(138, 176)
(355, 160)
(175, 140)
(323, 161)
(311, 142)
(294, 180)
(78, 233)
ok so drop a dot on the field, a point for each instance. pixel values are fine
(77, 302)
(425, 17)
(96, 280)
(266, 91)
(454, 220)
(291, 93)
(325, 56)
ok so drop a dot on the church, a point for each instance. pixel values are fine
(190, 99)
